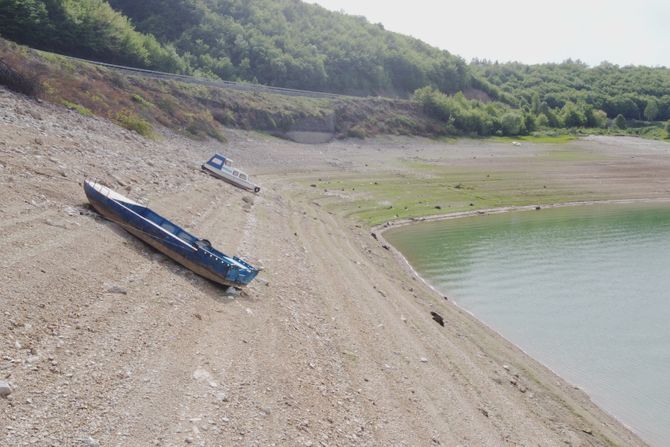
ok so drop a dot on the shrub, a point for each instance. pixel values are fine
(131, 121)
(79, 108)
(140, 100)
(512, 124)
(620, 122)
(357, 132)
(18, 82)
(200, 128)
(225, 117)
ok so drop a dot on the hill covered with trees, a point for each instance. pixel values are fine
(284, 43)
(84, 28)
(290, 43)
(293, 44)
(636, 93)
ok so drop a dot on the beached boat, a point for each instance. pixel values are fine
(222, 167)
(193, 253)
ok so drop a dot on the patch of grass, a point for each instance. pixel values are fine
(79, 108)
(572, 155)
(168, 105)
(555, 139)
(564, 154)
(96, 99)
(200, 127)
(391, 196)
(132, 121)
(225, 117)
(140, 100)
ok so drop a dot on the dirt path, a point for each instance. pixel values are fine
(106, 342)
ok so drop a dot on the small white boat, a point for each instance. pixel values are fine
(222, 167)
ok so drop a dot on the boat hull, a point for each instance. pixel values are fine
(230, 178)
(200, 261)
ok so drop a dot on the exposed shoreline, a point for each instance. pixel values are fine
(333, 344)
(379, 230)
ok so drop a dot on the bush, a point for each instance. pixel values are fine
(79, 108)
(620, 122)
(513, 124)
(131, 121)
(18, 82)
(357, 132)
(225, 117)
(140, 100)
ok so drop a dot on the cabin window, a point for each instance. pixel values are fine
(236, 173)
(228, 163)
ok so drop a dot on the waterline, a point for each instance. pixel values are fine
(584, 290)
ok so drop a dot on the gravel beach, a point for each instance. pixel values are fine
(105, 342)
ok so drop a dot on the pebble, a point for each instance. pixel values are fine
(117, 289)
(203, 375)
(90, 442)
(5, 389)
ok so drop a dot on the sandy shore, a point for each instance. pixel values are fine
(106, 342)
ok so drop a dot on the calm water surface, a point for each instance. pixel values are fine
(585, 290)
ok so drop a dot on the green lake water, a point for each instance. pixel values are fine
(584, 290)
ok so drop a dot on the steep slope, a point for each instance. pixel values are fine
(84, 28)
(294, 44)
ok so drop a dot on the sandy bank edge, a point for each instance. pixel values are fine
(378, 231)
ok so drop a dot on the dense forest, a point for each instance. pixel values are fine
(290, 43)
(636, 93)
(84, 28)
(284, 43)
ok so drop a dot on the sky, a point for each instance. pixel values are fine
(622, 32)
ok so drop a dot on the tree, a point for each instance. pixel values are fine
(535, 103)
(512, 124)
(651, 110)
(23, 20)
(541, 121)
(596, 118)
(667, 129)
(572, 116)
(529, 122)
(620, 122)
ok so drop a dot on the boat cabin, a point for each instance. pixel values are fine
(218, 161)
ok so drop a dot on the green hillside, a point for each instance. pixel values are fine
(284, 43)
(293, 44)
(637, 93)
(84, 28)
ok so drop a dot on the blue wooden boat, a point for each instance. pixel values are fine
(193, 253)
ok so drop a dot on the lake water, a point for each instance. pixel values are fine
(584, 290)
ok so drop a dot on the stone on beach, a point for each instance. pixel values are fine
(5, 389)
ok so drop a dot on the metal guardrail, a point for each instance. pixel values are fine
(243, 86)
